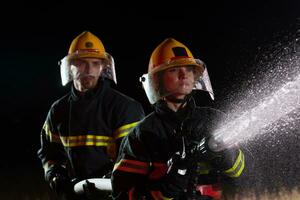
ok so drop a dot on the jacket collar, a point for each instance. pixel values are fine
(178, 117)
(90, 94)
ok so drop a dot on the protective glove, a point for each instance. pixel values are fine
(176, 181)
(61, 185)
(59, 181)
(93, 193)
(212, 150)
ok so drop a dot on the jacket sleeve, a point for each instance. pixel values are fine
(136, 173)
(131, 168)
(127, 116)
(233, 163)
(51, 152)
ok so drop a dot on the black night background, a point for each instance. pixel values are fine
(230, 37)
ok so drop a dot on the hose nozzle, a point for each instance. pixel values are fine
(216, 144)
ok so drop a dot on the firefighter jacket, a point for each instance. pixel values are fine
(82, 133)
(144, 154)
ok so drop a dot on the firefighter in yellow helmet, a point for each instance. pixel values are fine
(84, 128)
(172, 154)
(171, 54)
(86, 46)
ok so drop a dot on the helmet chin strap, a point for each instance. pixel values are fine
(173, 99)
(182, 102)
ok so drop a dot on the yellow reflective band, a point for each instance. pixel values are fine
(48, 164)
(238, 166)
(238, 160)
(241, 168)
(86, 140)
(203, 168)
(52, 137)
(124, 130)
(132, 166)
(203, 171)
(79, 140)
(46, 129)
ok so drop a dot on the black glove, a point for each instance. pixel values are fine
(59, 181)
(211, 150)
(176, 181)
(93, 193)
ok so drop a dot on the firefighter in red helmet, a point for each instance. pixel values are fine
(84, 128)
(169, 155)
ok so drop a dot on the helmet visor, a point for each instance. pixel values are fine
(154, 87)
(67, 76)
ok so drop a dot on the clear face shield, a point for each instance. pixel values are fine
(154, 89)
(67, 76)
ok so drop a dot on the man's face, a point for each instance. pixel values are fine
(179, 81)
(86, 72)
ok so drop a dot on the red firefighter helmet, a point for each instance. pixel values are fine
(171, 53)
(87, 45)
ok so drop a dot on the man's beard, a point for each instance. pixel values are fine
(88, 81)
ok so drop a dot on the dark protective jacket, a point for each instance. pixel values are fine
(142, 162)
(82, 133)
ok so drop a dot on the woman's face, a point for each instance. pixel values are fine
(179, 81)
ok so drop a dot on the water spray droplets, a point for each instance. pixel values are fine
(269, 100)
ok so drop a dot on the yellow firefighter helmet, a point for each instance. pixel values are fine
(171, 53)
(87, 45)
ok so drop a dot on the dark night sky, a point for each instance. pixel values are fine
(35, 37)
